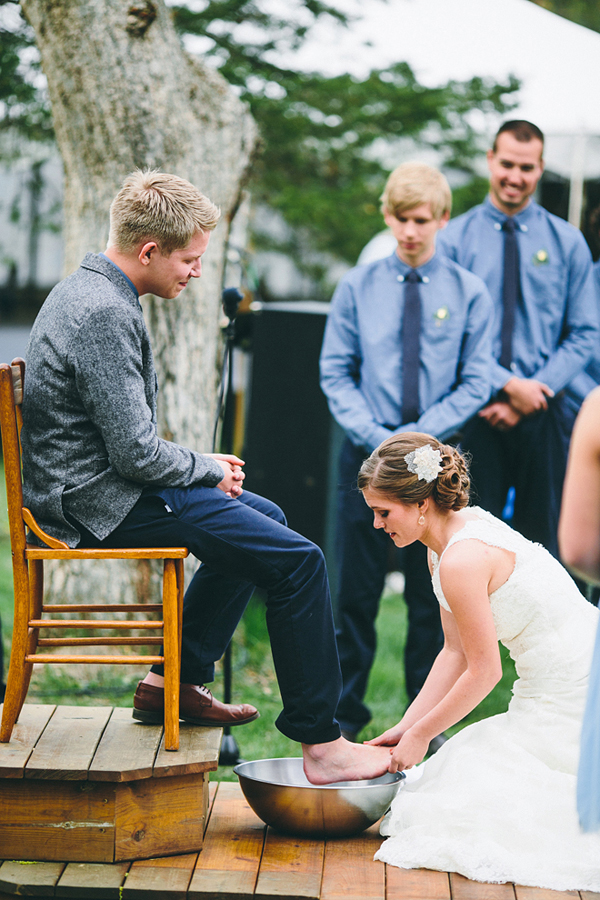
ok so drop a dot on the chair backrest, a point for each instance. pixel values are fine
(11, 398)
(12, 381)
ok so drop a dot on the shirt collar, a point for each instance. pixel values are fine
(128, 280)
(425, 271)
(522, 219)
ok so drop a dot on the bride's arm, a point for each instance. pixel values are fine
(447, 668)
(465, 574)
(579, 526)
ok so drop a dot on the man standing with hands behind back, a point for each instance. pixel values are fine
(538, 270)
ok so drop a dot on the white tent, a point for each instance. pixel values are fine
(557, 62)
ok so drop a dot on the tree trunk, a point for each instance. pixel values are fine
(124, 95)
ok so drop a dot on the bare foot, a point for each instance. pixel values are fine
(342, 761)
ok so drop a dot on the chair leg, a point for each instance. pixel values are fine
(17, 674)
(179, 568)
(171, 654)
(12, 698)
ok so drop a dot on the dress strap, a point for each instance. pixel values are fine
(486, 528)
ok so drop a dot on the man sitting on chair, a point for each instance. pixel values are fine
(96, 474)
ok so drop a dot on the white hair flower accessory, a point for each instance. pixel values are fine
(425, 463)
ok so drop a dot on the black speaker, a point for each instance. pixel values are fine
(289, 429)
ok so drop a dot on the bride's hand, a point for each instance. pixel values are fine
(410, 751)
(389, 738)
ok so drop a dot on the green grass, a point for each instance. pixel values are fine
(253, 675)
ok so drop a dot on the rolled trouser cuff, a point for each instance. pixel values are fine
(316, 735)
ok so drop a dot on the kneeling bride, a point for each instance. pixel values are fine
(497, 802)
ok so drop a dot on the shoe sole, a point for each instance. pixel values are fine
(214, 724)
(152, 718)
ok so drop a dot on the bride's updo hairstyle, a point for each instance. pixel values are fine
(386, 472)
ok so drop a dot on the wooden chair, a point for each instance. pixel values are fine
(32, 614)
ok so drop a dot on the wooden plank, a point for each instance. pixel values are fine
(69, 740)
(350, 872)
(220, 884)
(290, 868)
(57, 820)
(160, 879)
(416, 884)
(126, 751)
(228, 865)
(464, 889)
(31, 724)
(207, 802)
(158, 816)
(589, 895)
(92, 881)
(535, 893)
(198, 752)
(30, 879)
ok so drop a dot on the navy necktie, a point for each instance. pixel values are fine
(411, 334)
(510, 290)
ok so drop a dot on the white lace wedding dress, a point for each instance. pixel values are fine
(497, 801)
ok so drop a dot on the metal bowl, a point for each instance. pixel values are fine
(281, 795)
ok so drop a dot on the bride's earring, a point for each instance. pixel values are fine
(421, 519)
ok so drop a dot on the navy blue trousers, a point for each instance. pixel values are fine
(363, 555)
(532, 458)
(244, 543)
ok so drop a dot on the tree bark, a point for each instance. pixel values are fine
(125, 95)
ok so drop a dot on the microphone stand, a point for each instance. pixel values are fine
(231, 298)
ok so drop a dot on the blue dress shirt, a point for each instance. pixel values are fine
(361, 358)
(587, 380)
(556, 324)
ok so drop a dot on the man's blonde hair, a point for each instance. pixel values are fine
(414, 183)
(155, 206)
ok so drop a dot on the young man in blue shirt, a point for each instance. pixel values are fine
(406, 348)
(538, 271)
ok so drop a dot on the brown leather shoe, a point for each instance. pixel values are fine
(196, 705)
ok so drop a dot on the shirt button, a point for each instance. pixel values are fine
(497, 226)
(400, 278)
(523, 227)
(425, 279)
(513, 367)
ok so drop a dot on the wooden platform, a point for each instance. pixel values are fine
(242, 859)
(83, 780)
(89, 784)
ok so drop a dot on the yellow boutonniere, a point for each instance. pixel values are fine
(441, 315)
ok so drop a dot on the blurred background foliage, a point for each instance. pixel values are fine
(327, 143)
(582, 12)
(24, 106)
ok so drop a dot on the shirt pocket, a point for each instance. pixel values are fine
(442, 327)
(546, 285)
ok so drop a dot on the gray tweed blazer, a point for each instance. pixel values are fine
(89, 437)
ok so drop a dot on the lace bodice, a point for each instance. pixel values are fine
(539, 605)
